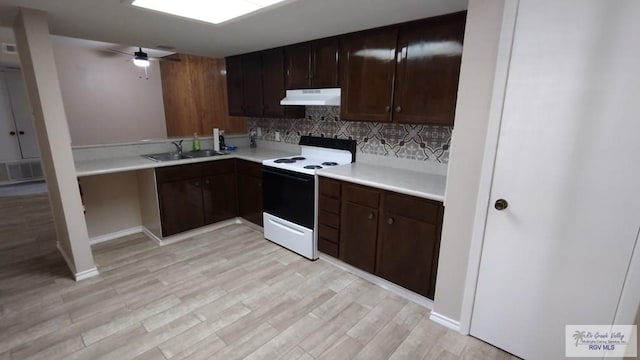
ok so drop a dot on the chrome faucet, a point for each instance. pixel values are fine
(178, 145)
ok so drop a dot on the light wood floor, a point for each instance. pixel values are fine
(227, 295)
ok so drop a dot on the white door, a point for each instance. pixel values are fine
(22, 115)
(9, 147)
(568, 164)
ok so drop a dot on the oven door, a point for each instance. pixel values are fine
(289, 195)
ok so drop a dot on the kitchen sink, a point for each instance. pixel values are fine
(204, 153)
(186, 155)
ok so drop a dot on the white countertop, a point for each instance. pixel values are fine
(420, 184)
(128, 163)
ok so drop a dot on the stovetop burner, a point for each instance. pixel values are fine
(329, 163)
(313, 167)
(284, 161)
(298, 158)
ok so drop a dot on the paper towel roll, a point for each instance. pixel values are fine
(216, 139)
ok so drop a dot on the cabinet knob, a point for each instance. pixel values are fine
(207, 182)
(21, 132)
(390, 221)
(197, 183)
(387, 108)
(501, 204)
(370, 216)
(398, 108)
(12, 133)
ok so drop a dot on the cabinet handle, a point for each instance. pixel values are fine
(398, 108)
(390, 221)
(370, 216)
(12, 133)
(387, 108)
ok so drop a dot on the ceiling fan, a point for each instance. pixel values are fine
(141, 58)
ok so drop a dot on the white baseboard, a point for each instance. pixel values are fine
(445, 321)
(115, 235)
(385, 284)
(191, 233)
(86, 274)
(76, 275)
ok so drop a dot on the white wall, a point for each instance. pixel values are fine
(107, 99)
(482, 34)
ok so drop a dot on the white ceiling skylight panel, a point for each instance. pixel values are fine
(212, 11)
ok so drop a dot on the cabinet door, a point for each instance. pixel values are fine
(252, 84)
(324, 60)
(298, 65)
(235, 93)
(273, 89)
(358, 232)
(367, 63)
(250, 198)
(180, 205)
(220, 198)
(219, 191)
(428, 69)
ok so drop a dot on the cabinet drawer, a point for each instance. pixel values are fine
(413, 208)
(328, 204)
(329, 188)
(328, 218)
(218, 167)
(361, 195)
(328, 247)
(179, 172)
(249, 168)
(328, 233)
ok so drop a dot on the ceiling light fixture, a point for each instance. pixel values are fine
(211, 11)
(140, 58)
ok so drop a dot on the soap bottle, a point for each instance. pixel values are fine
(196, 142)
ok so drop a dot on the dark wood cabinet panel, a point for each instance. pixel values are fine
(273, 86)
(312, 64)
(181, 205)
(324, 63)
(250, 203)
(252, 84)
(358, 234)
(298, 65)
(219, 191)
(429, 56)
(235, 92)
(367, 63)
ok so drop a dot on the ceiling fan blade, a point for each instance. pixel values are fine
(118, 52)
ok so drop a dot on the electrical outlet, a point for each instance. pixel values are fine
(259, 132)
(277, 135)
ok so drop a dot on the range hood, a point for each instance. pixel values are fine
(326, 97)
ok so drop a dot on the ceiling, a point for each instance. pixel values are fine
(116, 21)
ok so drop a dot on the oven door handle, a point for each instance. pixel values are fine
(292, 177)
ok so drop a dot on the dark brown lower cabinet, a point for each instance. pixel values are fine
(391, 235)
(250, 205)
(219, 191)
(195, 195)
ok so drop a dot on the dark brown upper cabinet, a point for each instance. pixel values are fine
(273, 89)
(312, 64)
(252, 84)
(367, 73)
(429, 54)
(235, 87)
(406, 73)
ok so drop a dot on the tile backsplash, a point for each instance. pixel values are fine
(415, 142)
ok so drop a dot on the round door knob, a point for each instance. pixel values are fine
(390, 221)
(501, 204)
(370, 216)
(398, 108)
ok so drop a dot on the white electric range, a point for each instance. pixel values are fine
(289, 192)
